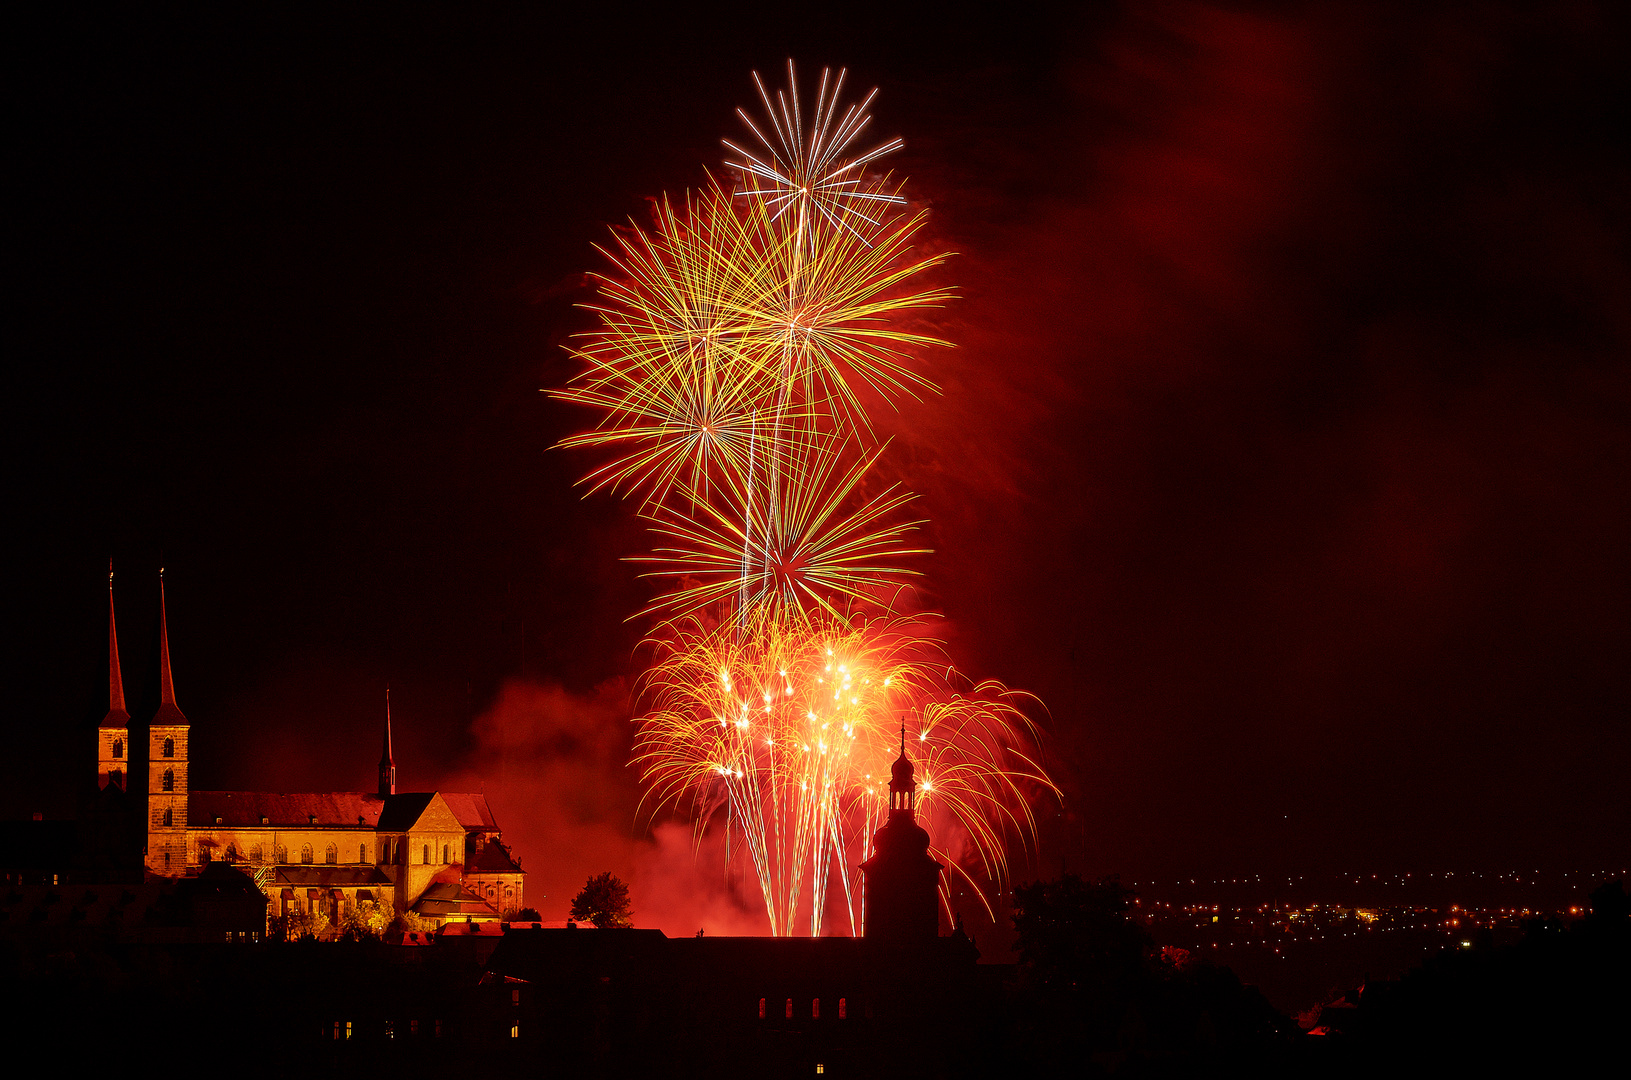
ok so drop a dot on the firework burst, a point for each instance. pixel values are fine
(743, 338)
(784, 724)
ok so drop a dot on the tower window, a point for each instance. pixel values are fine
(169, 748)
(169, 780)
(169, 818)
(118, 748)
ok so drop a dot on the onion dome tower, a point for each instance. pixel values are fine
(902, 881)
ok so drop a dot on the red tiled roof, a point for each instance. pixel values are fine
(332, 809)
(471, 808)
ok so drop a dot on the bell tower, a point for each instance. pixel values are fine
(902, 881)
(113, 734)
(167, 780)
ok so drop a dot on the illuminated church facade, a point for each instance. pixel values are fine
(438, 854)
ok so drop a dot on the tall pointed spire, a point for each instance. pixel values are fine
(387, 763)
(117, 716)
(168, 712)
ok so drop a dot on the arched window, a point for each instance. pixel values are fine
(426, 859)
(362, 853)
(232, 853)
(843, 1008)
(305, 855)
(169, 780)
(280, 854)
(118, 748)
(815, 1008)
(203, 851)
(789, 1008)
(761, 1008)
(169, 748)
(257, 854)
(446, 850)
(169, 818)
(332, 855)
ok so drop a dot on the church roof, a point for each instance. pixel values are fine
(329, 877)
(493, 858)
(402, 812)
(447, 900)
(471, 809)
(330, 809)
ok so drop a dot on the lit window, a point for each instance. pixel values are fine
(789, 1008)
(761, 1008)
(515, 1031)
(515, 996)
(815, 1008)
(843, 1008)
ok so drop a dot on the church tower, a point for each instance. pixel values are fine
(166, 768)
(902, 894)
(387, 763)
(113, 734)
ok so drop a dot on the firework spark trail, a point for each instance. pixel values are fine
(791, 723)
(741, 335)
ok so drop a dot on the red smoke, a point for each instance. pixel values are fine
(555, 769)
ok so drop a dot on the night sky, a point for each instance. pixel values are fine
(1284, 454)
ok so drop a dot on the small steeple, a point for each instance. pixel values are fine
(902, 780)
(168, 712)
(117, 716)
(387, 763)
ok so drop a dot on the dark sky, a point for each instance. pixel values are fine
(1284, 454)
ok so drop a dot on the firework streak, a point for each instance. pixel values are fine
(743, 335)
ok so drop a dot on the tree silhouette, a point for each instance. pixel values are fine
(604, 901)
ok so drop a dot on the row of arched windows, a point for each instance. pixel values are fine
(815, 1008)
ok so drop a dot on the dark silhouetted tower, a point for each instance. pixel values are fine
(902, 882)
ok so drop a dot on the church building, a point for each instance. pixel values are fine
(438, 853)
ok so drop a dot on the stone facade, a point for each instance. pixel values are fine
(322, 851)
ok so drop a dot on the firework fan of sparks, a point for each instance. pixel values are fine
(741, 336)
(786, 730)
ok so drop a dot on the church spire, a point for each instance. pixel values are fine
(387, 763)
(117, 716)
(168, 712)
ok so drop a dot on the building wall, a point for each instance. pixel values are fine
(107, 762)
(167, 844)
